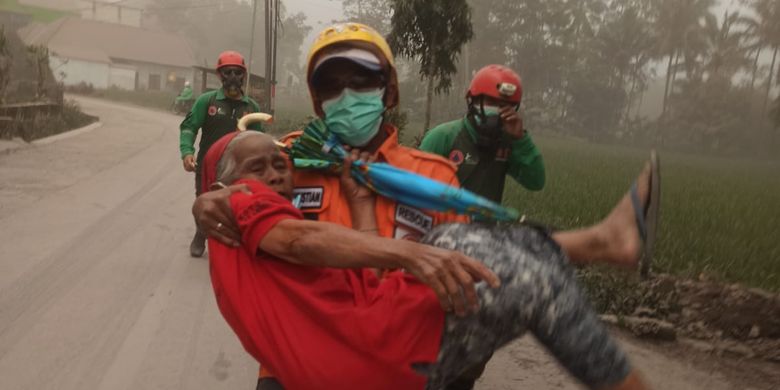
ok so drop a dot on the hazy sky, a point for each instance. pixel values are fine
(322, 12)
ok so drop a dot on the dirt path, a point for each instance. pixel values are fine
(97, 290)
(525, 365)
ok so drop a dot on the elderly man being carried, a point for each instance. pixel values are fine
(302, 299)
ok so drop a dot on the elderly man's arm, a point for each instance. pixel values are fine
(326, 244)
(329, 245)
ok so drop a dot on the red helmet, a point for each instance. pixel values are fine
(231, 58)
(497, 81)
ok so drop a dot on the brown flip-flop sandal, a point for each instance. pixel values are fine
(647, 215)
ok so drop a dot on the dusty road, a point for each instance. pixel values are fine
(97, 290)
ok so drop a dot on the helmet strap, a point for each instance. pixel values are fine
(487, 133)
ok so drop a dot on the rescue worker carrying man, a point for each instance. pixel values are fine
(217, 113)
(352, 80)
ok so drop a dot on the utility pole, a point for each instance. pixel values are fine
(251, 47)
(267, 69)
(271, 29)
(467, 70)
(273, 57)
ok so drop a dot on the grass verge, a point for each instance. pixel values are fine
(720, 217)
(38, 14)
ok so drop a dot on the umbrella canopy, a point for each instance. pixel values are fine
(318, 149)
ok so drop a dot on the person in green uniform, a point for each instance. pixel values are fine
(185, 96)
(490, 142)
(217, 113)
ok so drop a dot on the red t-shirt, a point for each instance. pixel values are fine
(321, 328)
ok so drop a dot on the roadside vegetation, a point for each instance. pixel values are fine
(38, 14)
(719, 216)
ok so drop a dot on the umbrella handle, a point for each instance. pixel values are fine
(334, 144)
(254, 117)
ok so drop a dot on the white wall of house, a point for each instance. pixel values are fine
(167, 76)
(122, 77)
(78, 71)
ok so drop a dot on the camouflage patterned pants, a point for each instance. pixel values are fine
(538, 293)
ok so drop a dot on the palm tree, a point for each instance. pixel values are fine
(767, 32)
(625, 40)
(5, 63)
(678, 23)
(754, 43)
(436, 45)
(770, 34)
(725, 53)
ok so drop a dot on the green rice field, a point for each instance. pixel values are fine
(720, 217)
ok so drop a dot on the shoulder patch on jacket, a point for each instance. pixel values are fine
(445, 164)
(448, 128)
(206, 96)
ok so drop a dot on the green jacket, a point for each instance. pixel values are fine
(186, 94)
(483, 172)
(217, 115)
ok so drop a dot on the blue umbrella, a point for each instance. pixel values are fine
(316, 148)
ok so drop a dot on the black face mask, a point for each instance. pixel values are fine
(489, 128)
(233, 82)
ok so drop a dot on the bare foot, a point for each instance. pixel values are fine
(619, 231)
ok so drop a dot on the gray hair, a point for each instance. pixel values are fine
(227, 164)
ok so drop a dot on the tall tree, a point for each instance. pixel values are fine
(583, 17)
(292, 32)
(767, 30)
(678, 23)
(710, 111)
(626, 40)
(38, 58)
(432, 32)
(725, 54)
(754, 43)
(375, 13)
(5, 63)
(536, 45)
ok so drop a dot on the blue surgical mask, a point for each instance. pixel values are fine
(355, 117)
(487, 123)
(491, 116)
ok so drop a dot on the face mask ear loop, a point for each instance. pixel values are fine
(384, 103)
(473, 110)
(384, 108)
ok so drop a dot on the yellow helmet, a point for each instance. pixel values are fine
(353, 32)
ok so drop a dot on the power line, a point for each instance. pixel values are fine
(211, 5)
(318, 4)
(157, 8)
